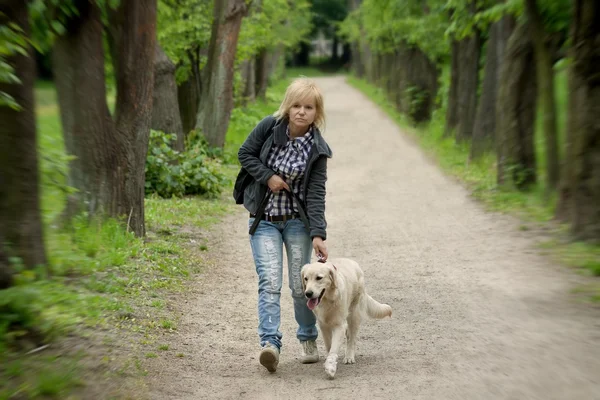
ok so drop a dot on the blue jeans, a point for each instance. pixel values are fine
(267, 250)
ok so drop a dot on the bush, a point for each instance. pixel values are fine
(171, 173)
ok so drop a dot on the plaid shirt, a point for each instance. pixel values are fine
(289, 162)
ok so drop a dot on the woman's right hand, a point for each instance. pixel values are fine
(276, 184)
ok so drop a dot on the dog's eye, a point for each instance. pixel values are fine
(306, 279)
(319, 278)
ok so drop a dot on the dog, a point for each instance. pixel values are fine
(335, 292)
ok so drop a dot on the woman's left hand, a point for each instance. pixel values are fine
(320, 248)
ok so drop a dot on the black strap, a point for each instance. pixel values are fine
(263, 205)
(300, 209)
(260, 212)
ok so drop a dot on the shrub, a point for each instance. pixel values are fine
(171, 173)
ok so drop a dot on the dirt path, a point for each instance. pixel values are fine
(478, 314)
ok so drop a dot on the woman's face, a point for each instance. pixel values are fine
(303, 113)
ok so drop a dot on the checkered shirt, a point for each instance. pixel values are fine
(289, 162)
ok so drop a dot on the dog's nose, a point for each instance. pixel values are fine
(309, 294)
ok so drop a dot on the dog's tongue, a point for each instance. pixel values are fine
(312, 303)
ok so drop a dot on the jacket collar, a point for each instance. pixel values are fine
(280, 138)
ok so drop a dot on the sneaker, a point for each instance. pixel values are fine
(269, 357)
(310, 353)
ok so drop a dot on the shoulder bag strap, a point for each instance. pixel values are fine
(301, 211)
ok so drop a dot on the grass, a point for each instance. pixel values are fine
(105, 285)
(480, 176)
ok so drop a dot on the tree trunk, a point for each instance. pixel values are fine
(21, 233)
(357, 60)
(276, 63)
(188, 94)
(485, 121)
(165, 104)
(111, 155)
(302, 57)
(421, 85)
(368, 61)
(335, 55)
(452, 108)
(545, 84)
(217, 97)
(414, 82)
(346, 54)
(135, 75)
(515, 112)
(468, 84)
(357, 49)
(260, 64)
(78, 59)
(248, 72)
(580, 194)
(6, 273)
(262, 77)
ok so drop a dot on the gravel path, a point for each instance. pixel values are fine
(478, 313)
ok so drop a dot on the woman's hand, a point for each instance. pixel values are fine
(276, 184)
(320, 248)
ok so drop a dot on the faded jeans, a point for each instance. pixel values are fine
(267, 250)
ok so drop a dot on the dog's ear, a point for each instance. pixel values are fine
(332, 278)
(302, 279)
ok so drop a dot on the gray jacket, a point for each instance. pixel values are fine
(253, 157)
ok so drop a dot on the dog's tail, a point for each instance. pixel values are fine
(376, 309)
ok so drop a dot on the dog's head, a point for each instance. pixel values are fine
(318, 280)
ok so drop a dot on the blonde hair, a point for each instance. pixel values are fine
(301, 89)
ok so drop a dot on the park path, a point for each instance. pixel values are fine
(478, 313)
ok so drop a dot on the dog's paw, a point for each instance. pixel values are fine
(349, 359)
(330, 367)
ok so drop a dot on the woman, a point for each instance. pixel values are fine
(287, 157)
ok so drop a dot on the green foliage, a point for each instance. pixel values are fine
(417, 98)
(386, 24)
(172, 173)
(12, 42)
(48, 20)
(555, 15)
(38, 309)
(183, 29)
(274, 23)
(328, 13)
(486, 16)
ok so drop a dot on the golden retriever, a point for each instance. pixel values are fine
(335, 292)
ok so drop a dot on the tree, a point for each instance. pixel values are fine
(165, 103)
(110, 152)
(515, 112)
(545, 95)
(485, 120)
(249, 71)
(216, 102)
(452, 109)
(357, 42)
(270, 28)
(183, 32)
(464, 83)
(399, 50)
(579, 200)
(327, 14)
(21, 233)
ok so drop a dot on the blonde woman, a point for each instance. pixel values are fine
(285, 159)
